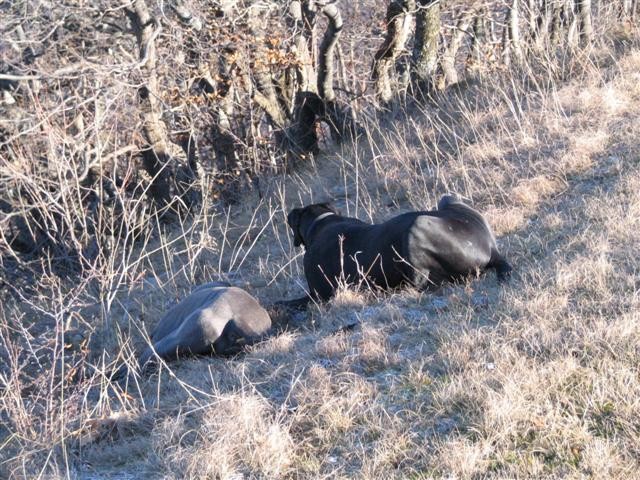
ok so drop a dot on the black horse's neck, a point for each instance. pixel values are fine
(315, 222)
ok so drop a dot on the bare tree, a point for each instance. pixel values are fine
(448, 61)
(584, 19)
(425, 47)
(572, 23)
(265, 93)
(317, 101)
(512, 32)
(531, 12)
(304, 14)
(250, 91)
(327, 51)
(628, 9)
(542, 23)
(398, 20)
(169, 178)
(556, 23)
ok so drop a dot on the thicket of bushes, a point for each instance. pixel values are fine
(116, 118)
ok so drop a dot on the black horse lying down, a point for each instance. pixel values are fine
(422, 249)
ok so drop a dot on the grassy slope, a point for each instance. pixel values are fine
(535, 378)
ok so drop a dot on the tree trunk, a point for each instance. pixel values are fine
(327, 52)
(265, 93)
(531, 16)
(157, 159)
(506, 51)
(225, 146)
(572, 31)
(425, 48)
(304, 17)
(398, 22)
(542, 25)
(556, 24)
(512, 32)
(449, 58)
(584, 21)
(300, 138)
(478, 48)
(341, 121)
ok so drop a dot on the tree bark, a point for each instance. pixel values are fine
(479, 39)
(572, 24)
(584, 21)
(265, 93)
(557, 23)
(449, 58)
(340, 120)
(542, 25)
(398, 20)
(304, 20)
(514, 30)
(156, 156)
(511, 35)
(327, 51)
(531, 17)
(425, 48)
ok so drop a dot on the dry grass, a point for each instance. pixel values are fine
(537, 378)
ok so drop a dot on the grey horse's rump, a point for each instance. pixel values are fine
(214, 318)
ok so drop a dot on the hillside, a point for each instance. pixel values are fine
(534, 378)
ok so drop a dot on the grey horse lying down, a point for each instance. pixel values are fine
(215, 318)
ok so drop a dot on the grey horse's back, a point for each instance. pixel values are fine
(211, 285)
(199, 297)
(214, 318)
